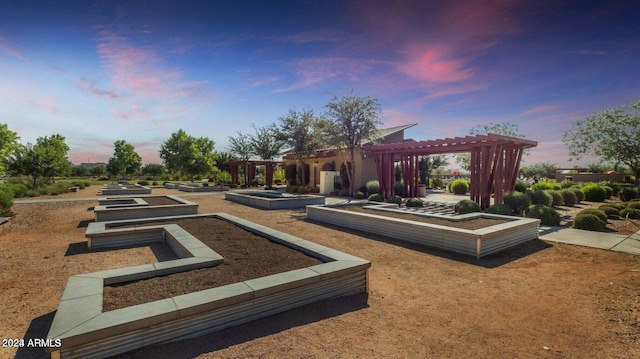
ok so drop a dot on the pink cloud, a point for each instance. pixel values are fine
(435, 64)
(91, 88)
(7, 47)
(319, 69)
(136, 112)
(540, 109)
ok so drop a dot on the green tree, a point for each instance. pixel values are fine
(539, 169)
(301, 133)
(354, 120)
(241, 147)
(8, 144)
(80, 171)
(612, 135)
(223, 158)
(505, 129)
(153, 169)
(44, 160)
(428, 164)
(265, 143)
(98, 171)
(125, 159)
(187, 155)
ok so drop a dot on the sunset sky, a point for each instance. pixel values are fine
(101, 71)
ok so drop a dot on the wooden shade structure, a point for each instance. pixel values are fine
(495, 163)
(270, 167)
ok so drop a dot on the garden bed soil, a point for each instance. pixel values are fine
(538, 300)
(246, 256)
(471, 224)
(160, 201)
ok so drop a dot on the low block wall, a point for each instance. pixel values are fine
(210, 188)
(110, 190)
(123, 209)
(477, 243)
(86, 332)
(278, 201)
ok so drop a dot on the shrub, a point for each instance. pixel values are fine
(633, 204)
(596, 212)
(542, 186)
(594, 192)
(466, 206)
(143, 182)
(521, 186)
(335, 192)
(579, 194)
(343, 193)
(277, 181)
(558, 200)
(19, 190)
(499, 209)
(303, 190)
(517, 201)
(395, 199)
(608, 190)
(569, 197)
(359, 195)
(615, 186)
(630, 213)
(588, 222)
(315, 189)
(376, 197)
(372, 187)
(547, 215)
(399, 188)
(414, 202)
(610, 211)
(291, 189)
(539, 196)
(6, 202)
(437, 183)
(459, 186)
(628, 193)
(566, 184)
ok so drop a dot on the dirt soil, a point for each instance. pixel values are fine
(246, 256)
(160, 201)
(539, 300)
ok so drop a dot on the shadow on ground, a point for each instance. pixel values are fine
(85, 223)
(491, 261)
(38, 329)
(307, 314)
(160, 250)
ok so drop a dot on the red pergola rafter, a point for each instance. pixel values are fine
(495, 163)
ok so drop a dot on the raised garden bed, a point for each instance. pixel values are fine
(113, 209)
(500, 232)
(201, 188)
(127, 189)
(86, 330)
(273, 199)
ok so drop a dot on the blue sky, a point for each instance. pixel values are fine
(101, 71)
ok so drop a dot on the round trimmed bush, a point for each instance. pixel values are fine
(566, 184)
(399, 188)
(596, 212)
(610, 211)
(459, 186)
(19, 190)
(359, 195)
(539, 196)
(315, 189)
(569, 197)
(608, 190)
(376, 197)
(372, 187)
(630, 213)
(6, 202)
(547, 215)
(502, 209)
(546, 185)
(143, 182)
(633, 204)
(615, 186)
(414, 202)
(303, 190)
(395, 199)
(517, 201)
(520, 186)
(579, 194)
(292, 189)
(466, 206)
(594, 192)
(588, 222)
(628, 193)
(558, 200)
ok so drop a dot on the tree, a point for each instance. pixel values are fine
(125, 159)
(223, 158)
(265, 143)
(354, 120)
(612, 135)
(428, 164)
(187, 155)
(80, 171)
(301, 133)
(44, 160)
(98, 171)
(241, 147)
(153, 169)
(8, 144)
(539, 169)
(505, 129)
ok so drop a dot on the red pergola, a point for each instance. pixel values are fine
(495, 163)
(269, 166)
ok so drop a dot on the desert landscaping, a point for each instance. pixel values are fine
(536, 300)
